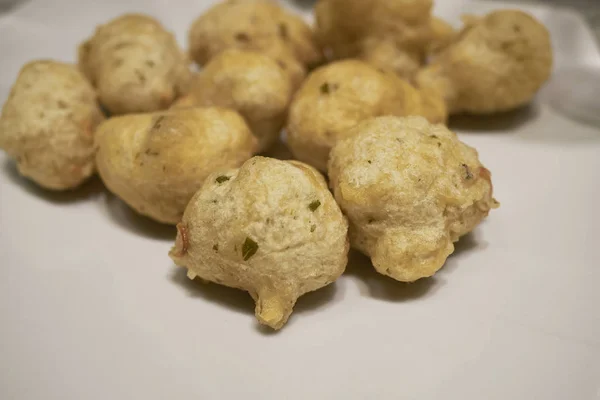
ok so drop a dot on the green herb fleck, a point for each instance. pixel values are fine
(222, 179)
(326, 88)
(158, 122)
(468, 174)
(242, 37)
(314, 205)
(283, 31)
(216, 247)
(313, 227)
(249, 248)
(140, 76)
(370, 162)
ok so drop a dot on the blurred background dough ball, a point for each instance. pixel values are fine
(497, 63)
(391, 34)
(252, 84)
(135, 64)
(256, 25)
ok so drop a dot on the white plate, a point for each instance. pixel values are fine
(91, 307)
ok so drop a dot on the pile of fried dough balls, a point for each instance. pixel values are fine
(364, 97)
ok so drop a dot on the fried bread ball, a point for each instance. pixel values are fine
(257, 25)
(250, 83)
(286, 60)
(337, 96)
(156, 162)
(442, 35)
(498, 63)
(409, 189)
(135, 64)
(390, 34)
(48, 122)
(271, 228)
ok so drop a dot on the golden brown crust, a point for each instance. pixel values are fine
(442, 35)
(410, 189)
(270, 228)
(47, 124)
(497, 63)
(250, 83)
(135, 64)
(255, 25)
(337, 96)
(156, 162)
(391, 34)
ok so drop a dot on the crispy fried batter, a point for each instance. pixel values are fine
(409, 189)
(156, 162)
(271, 228)
(48, 122)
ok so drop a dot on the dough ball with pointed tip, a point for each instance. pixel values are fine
(271, 228)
